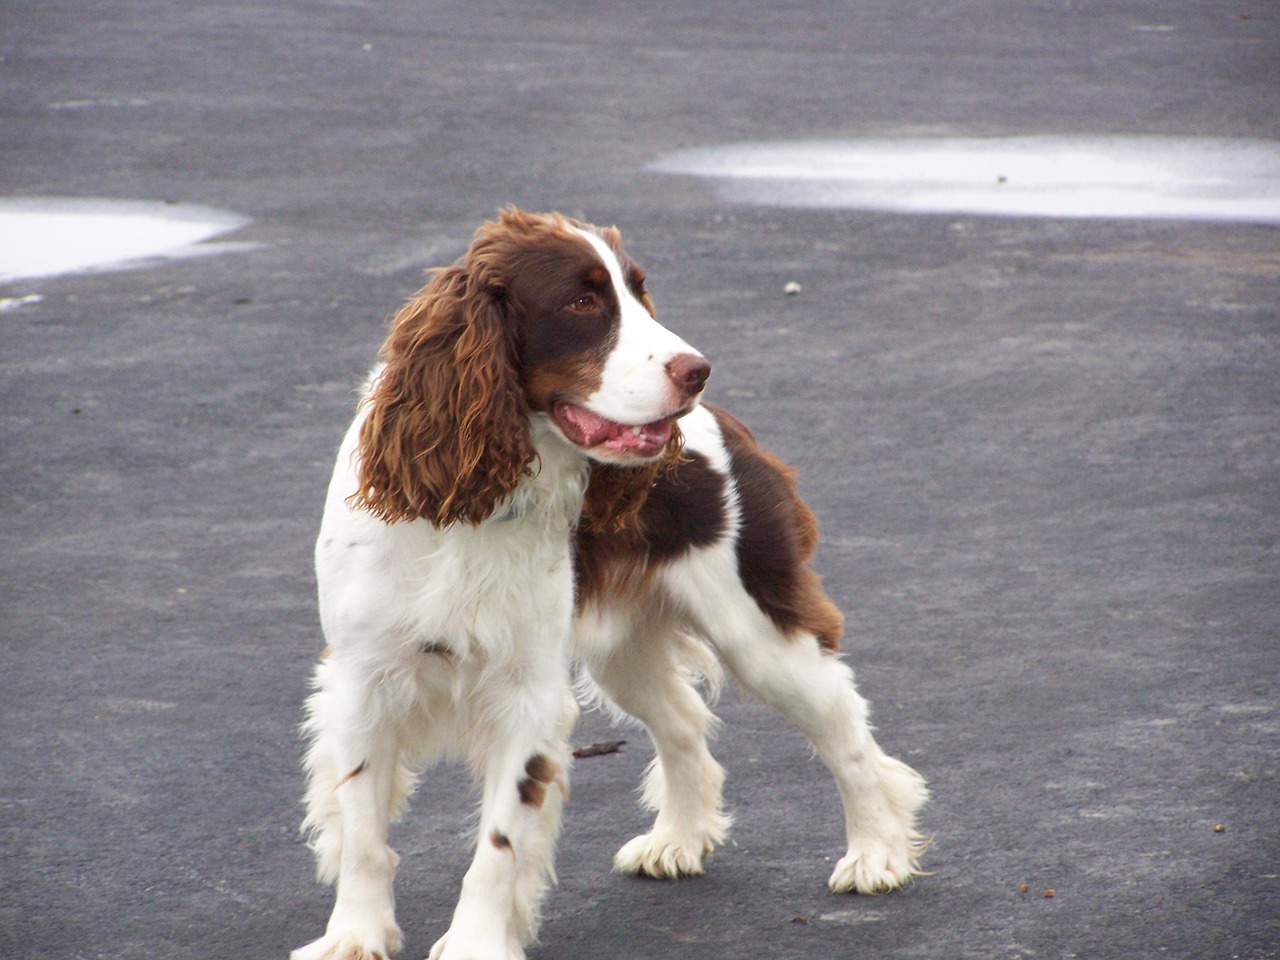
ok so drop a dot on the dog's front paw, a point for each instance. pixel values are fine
(663, 855)
(876, 866)
(350, 946)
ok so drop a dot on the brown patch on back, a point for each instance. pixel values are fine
(778, 537)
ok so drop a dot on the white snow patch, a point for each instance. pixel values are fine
(1135, 177)
(46, 237)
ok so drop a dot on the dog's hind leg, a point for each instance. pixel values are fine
(810, 686)
(881, 795)
(646, 670)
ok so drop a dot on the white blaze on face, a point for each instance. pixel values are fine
(635, 386)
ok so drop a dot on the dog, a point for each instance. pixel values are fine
(531, 481)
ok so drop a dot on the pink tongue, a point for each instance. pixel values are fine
(589, 430)
(651, 438)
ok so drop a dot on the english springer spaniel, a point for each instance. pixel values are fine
(530, 480)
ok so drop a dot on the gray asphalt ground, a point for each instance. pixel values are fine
(1046, 455)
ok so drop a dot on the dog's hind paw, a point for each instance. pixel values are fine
(874, 866)
(662, 855)
(348, 947)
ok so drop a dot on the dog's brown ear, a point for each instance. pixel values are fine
(446, 436)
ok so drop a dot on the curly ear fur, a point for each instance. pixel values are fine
(447, 434)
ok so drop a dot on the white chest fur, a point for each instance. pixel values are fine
(388, 589)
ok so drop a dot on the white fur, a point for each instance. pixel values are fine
(456, 642)
(442, 643)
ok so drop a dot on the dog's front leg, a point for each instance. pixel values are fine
(523, 756)
(356, 783)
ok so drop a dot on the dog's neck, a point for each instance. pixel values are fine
(552, 497)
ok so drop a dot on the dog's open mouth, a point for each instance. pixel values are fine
(590, 430)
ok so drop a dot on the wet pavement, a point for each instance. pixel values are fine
(1045, 452)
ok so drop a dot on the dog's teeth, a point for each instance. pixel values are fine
(637, 431)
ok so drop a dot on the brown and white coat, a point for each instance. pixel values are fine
(530, 479)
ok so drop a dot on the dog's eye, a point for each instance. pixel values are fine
(587, 303)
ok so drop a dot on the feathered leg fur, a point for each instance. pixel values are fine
(650, 676)
(813, 689)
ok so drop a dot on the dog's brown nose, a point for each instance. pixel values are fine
(689, 373)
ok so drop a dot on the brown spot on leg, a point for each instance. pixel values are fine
(500, 840)
(532, 793)
(352, 775)
(539, 771)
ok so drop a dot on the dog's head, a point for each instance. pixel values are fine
(543, 316)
